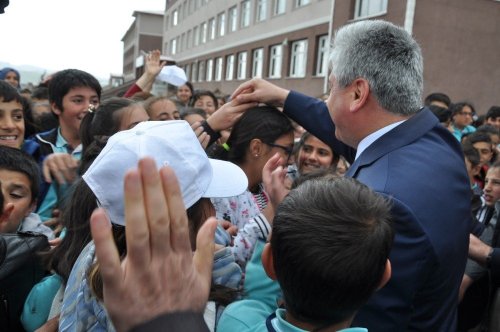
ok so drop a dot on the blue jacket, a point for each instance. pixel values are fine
(39, 147)
(419, 165)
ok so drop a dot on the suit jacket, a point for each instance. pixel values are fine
(420, 167)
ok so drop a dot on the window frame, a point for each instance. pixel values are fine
(233, 19)
(260, 10)
(277, 7)
(322, 56)
(221, 24)
(219, 65)
(297, 58)
(209, 70)
(246, 13)
(230, 67)
(368, 9)
(241, 73)
(257, 62)
(275, 60)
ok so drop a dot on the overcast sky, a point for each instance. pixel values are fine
(60, 34)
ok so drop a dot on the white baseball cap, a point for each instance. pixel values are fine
(171, 143)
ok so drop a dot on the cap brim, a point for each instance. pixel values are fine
(227, 180)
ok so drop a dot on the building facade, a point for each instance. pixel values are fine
(221, 44)
(144, 34)
(460, 42)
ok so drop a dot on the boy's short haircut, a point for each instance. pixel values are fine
(8, 93)
(330, 242)
(488, 129)
(493, 112)
(477, 137)
(15, 160)
(63, 81)
(471, 154)
(40, 92)
(437, 96)
(443, 114)
(192, 110)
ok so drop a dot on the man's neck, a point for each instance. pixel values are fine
(310, 327)
(71, 138)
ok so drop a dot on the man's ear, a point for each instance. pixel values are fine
(55, 109)
(360, 90)
(386, 276)
(268, 262)
(7, 211)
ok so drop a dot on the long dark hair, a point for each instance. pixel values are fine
(75, 218)
(197, 214)
(266, 123)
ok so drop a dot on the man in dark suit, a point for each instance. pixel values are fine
(401, 151)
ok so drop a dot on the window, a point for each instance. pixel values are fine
(279, 7)
(369, 8)
(203, 33)
(188, 70)
(182, 44)
(175, 17)
(218, 69)
(211, 29)
(261, 12)
(194, 72)
(245, 13)
(300, 3)
(233, 19)
(230, 67)
(196, 36)
(242, 66)
(298, 59)
(221, 20)
(189, 40)
(275, 60)
(210, 70)
(322, 60)
(257, 62)
(201, 71)
(167, 20)
(173, 46)
(184, 9)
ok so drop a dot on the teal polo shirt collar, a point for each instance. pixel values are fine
(277, 323)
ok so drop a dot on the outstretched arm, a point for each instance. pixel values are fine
(152, 68)
(260, 91)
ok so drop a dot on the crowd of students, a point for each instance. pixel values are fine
(306, 220)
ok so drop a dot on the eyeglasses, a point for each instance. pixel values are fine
(467, 113)
(288, 150)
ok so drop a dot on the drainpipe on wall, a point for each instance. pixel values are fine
(330, 35)
(410, 15)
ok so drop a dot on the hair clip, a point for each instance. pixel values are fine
(91, 108)
(225, 146)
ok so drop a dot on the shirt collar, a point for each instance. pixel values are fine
(368, 140)
(62, 145)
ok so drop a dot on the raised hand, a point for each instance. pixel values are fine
(160, 274)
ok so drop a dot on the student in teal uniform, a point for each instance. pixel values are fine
(329, 252)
